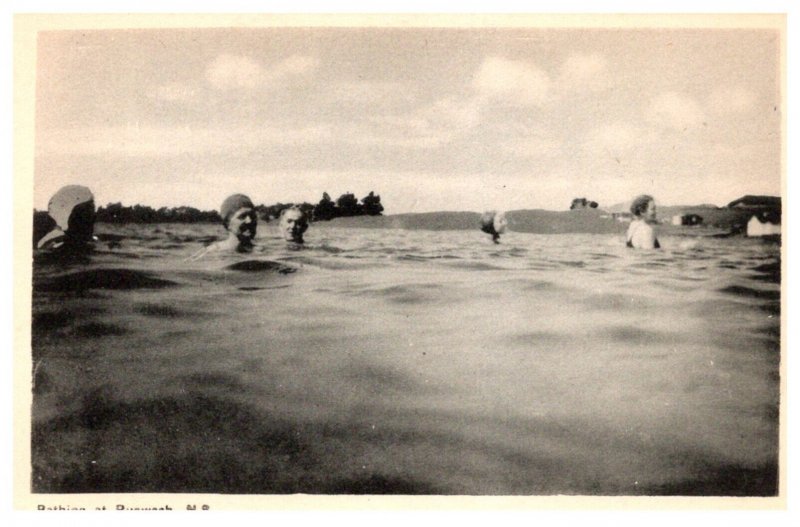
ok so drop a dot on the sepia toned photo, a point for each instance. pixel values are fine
(418, 256)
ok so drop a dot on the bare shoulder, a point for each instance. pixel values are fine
(641, 235)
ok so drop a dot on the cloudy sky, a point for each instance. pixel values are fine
(430, 119)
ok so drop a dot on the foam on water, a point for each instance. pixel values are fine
(376, 361)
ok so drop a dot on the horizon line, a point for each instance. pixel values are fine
(606, 208)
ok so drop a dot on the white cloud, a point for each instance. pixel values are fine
(430, 126)
(170, 141)
(416, 131)
(584, 73)
(371, 91)
(532, 147)
(730, 100)
(453, 113)
(172, 92)
(234, 72)
(293, 65)
(406, 132)
(238, 72)
(615, 139)
(674, 110)
(512, 82)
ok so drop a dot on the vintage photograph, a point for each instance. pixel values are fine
(410, 256)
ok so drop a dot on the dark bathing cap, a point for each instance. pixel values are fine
(231, 205)
(487, 222)
(64, 202)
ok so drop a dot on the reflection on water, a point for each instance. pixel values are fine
(408, 362)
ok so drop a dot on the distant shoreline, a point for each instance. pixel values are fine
(716, 221)
(539, 221)
(532, 221)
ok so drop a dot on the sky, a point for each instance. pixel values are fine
(428, 118)
(170, 101)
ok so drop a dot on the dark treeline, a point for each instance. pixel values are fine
(346, 205)
(118, 213)
(582, 203)
(326, 209)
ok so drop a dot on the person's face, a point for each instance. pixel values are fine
(292, 226)
(650, 211)
(243, 224)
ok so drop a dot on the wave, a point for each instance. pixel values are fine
(475, 266)
(120, 279)
(385, 361)
(257, 266)
(749, 292)
(403, 294)
(769, 272)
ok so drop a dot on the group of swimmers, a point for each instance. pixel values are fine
(71, 216)
(71, 211)
(641, 233)
(241, 221)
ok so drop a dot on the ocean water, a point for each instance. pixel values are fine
(407, 362)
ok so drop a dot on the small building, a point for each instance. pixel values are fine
(687, 219)
(622, 217)
(764, 224)
(756, 202)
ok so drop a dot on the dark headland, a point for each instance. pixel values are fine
(534, 221)
(590, 221)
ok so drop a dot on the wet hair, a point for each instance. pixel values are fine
(487, 222)
(494, 223)
(639, 204)
(302, 221)
(80, 225)
(303, 215)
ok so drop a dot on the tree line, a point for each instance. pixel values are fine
(326, 209)
(119, 213)
(582, 203)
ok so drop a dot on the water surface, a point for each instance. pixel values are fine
(408, 362)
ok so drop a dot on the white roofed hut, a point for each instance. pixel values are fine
(764, 224)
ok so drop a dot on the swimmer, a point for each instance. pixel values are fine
(494, 223)
(72, 210)
(641, 234)
(292, 224)
(240, 220)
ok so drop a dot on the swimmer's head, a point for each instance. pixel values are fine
(72, 209)
(292, 224)
(644, 207)
(239, 217)
(500, 222)
(494, 223)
